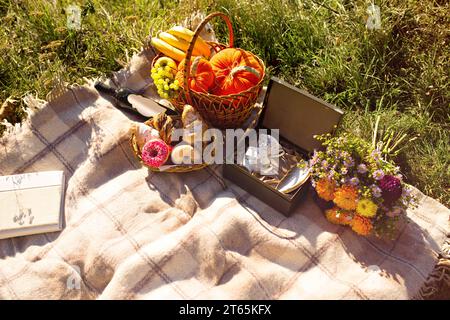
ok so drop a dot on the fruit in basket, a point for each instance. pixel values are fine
(165, 62)
(186, 34)
(163, 75)
(167, 49)
(178, 43)
(155, 153)
(236, 70)
(201, 76)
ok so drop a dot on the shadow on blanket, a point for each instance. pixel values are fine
(398, 259)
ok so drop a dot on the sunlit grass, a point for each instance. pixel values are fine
(400, 72)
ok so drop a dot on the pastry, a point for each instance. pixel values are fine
(194, 131)
(184, 153)
(159, 120)
(144, 133)
(155, 153)
(189, 115)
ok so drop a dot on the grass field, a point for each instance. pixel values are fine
(400, 72)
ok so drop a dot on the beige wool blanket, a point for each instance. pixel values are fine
(134, 234)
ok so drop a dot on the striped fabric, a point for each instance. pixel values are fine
(134, 234)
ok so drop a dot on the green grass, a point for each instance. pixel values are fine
(400, 72)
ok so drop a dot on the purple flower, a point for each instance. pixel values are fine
(376, 191)
(378, 174)
(354, 181)
(325, 164)
(349, 162)
(376, 154)
(331, 174)
(406, 192)
(345, 155)
(362, 168)
(314, 158)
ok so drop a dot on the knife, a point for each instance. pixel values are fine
(130, 100)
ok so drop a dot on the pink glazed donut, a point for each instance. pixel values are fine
(155, 153)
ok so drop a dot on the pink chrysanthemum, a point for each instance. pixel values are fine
(391, 188)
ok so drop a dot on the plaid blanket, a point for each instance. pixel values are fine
(134, 234)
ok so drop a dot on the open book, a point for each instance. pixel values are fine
(31, 203)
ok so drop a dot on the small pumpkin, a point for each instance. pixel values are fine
(236, 70)
(201, 77)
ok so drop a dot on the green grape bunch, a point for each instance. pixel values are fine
(163, 75)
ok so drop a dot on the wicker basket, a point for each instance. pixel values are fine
(228, 111)
(174, 168)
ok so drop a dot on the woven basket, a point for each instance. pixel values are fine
(176, 168)
(228, 111)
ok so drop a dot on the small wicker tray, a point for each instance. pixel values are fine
(172, 168)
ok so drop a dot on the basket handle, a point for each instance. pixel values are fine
(187, 68)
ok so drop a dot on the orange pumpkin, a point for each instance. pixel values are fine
(201, 77)
(236, 70)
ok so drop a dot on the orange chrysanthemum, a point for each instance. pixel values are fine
(338, 216)
(346, 197)
(325, 189)
(361, 225)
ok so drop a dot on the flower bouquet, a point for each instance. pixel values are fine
(362, 189)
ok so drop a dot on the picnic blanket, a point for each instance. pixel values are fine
(134, 234)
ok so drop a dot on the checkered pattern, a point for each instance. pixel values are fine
(134, 234)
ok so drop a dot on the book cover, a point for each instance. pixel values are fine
(31, 203)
